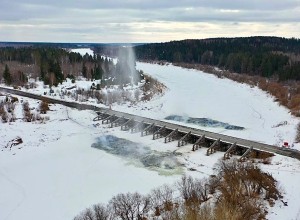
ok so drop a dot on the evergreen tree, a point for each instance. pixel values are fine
(7, 76)
(265, 56)
(22, 77)
(84, 70)
(106, 66)
(55, 68)
(98, 72)
(92, 73)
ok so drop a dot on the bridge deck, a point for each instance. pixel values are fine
(183, 129)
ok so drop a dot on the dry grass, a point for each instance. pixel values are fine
(44, 107)
(244, 187)
(151, 88)
(261, 155)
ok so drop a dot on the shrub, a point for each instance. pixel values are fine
(130, 206)
(294, 103)
(162, 201)
(26, 106)
(98, 212)
(44, 107)
(99, 96)
(3, 114)
(14, 99)
(243, 186)
(240, 191)
(194, 192)
(298, 134)
(28, 117)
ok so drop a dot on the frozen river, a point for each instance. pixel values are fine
(56, 173)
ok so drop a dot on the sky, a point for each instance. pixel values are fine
(129, 21)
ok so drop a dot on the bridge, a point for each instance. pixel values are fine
(172, 132)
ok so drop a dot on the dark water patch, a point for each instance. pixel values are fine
(164, 162)
(120, 146)
(204, 122)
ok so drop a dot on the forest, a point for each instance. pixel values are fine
(52, 65)
(271, 57)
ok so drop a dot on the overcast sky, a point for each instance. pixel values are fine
(145, 20)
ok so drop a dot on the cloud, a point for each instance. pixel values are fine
(162, 4)
(143, 21)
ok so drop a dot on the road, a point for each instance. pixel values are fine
(210, 135)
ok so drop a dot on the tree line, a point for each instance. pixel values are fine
(52, 65)
(264, 56)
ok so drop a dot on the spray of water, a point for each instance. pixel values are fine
(126, 59)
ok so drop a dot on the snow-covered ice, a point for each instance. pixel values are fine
(192, 93)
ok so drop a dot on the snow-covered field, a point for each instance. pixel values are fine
(56, 173)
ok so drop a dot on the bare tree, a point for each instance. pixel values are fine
(163, 202)
(101, 212)
(130, 206)
(194, 192)
(240, 191)
(85, 215)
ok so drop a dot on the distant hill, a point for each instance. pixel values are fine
(264, 56)
(65, 45)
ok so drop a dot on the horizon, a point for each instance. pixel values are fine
(135, 43)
